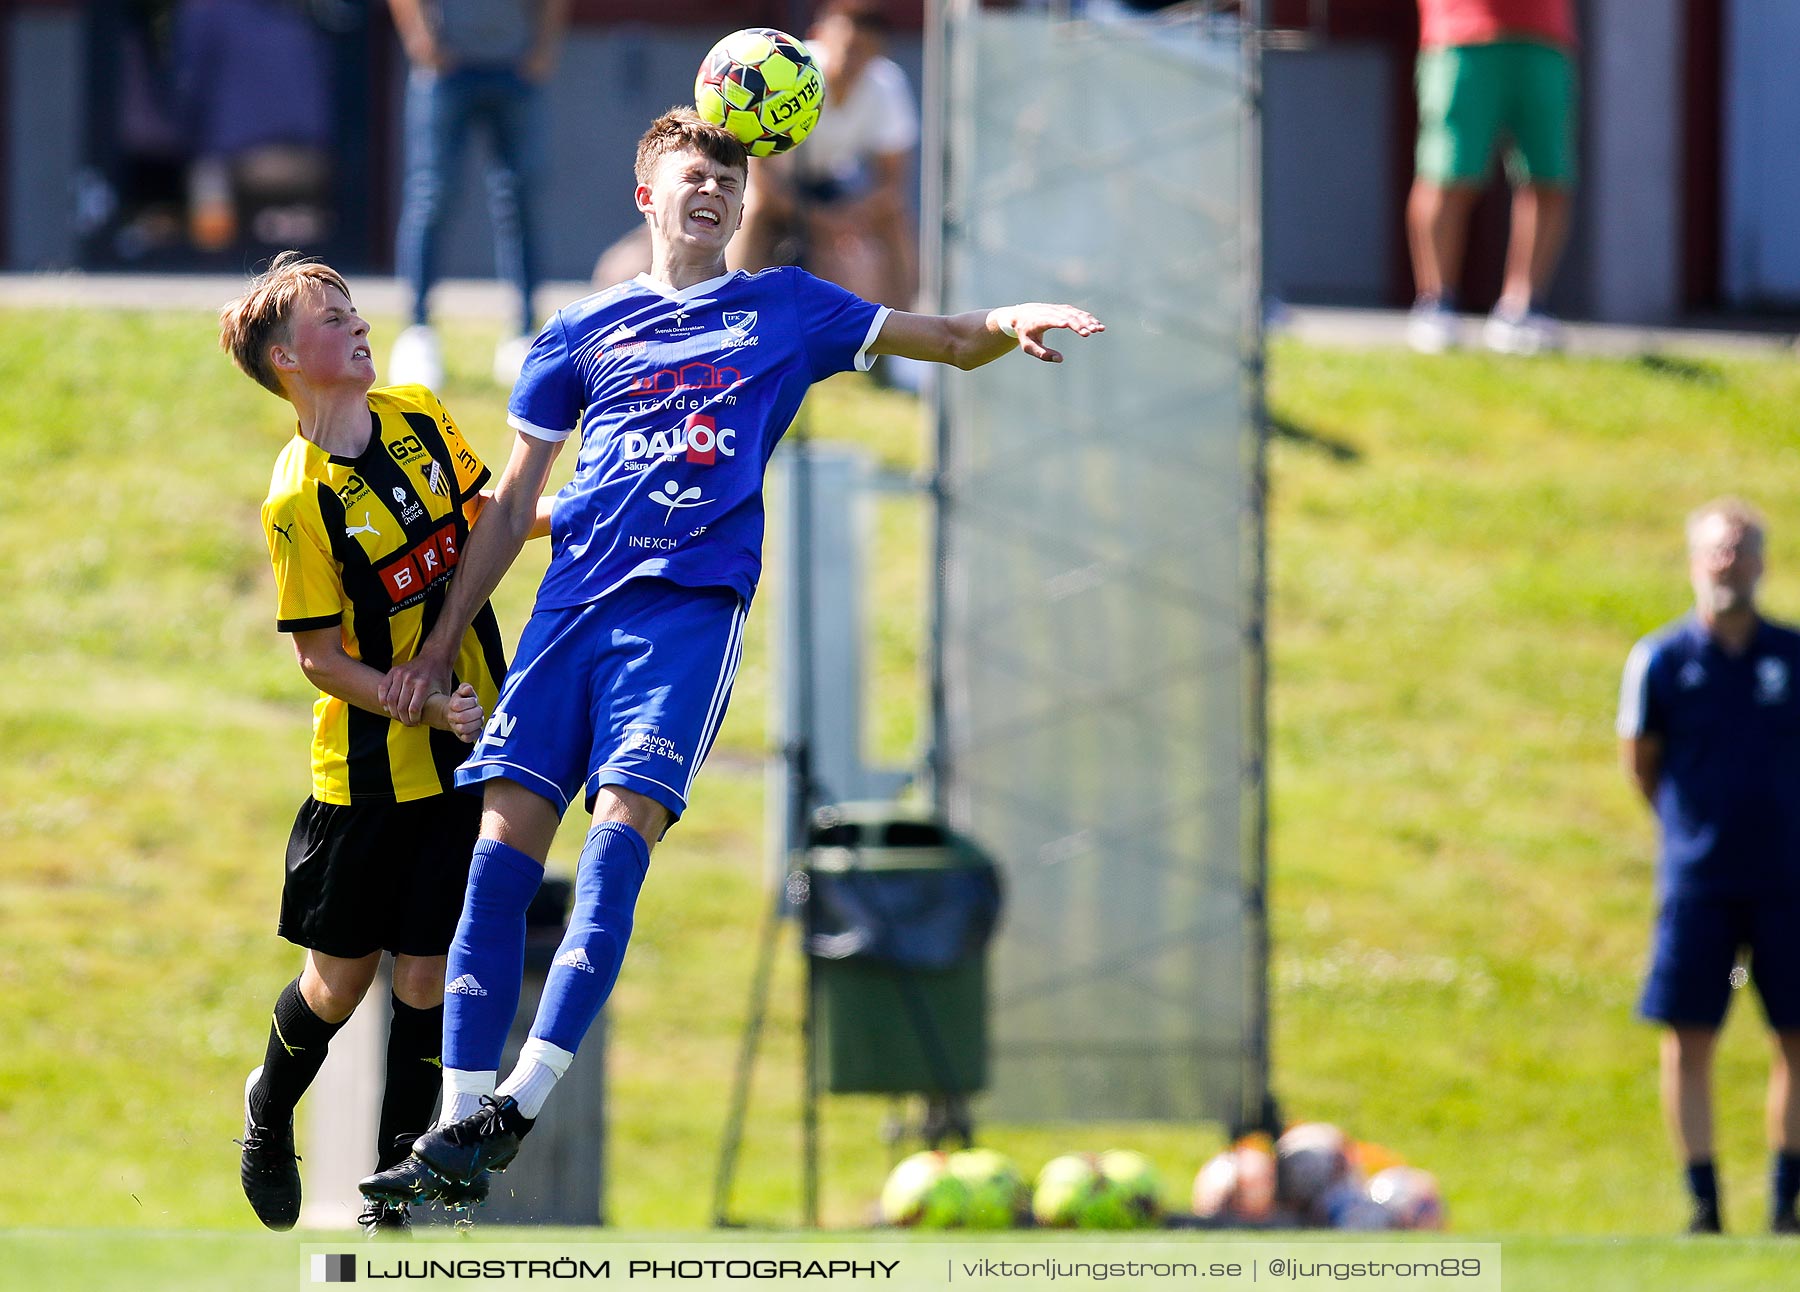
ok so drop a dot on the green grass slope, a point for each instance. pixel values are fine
(1462, 552)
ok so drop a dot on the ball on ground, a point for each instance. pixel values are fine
(1066, 1188)
(922, 1193)
(997, 1195)
(1132, 1178)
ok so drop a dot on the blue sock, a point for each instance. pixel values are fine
(1784, 1187)
(607, 879)
(487, 960)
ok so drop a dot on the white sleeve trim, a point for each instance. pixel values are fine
(865, 360)
(524, 427)
(1634, 692)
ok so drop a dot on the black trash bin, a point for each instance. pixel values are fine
(898, 914)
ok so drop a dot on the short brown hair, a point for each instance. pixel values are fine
(253, 322)
(684, 130)
(1739, 513)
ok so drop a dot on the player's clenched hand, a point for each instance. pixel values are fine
(463, 716)
(1034, 318)
(407, 686)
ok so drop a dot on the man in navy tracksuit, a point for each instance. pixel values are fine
(1709, 729)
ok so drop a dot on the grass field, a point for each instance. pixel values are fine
(1462, 552)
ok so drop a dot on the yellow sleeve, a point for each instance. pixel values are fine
(471, 472)
(309, 586)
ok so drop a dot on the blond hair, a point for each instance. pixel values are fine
(258, 319)
(684, 130)
(1739, 513)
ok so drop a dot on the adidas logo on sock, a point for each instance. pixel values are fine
(576, 959)
(466, 986)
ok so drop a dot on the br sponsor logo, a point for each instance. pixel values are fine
(408, 575)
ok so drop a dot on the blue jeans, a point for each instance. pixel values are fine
(441, 110)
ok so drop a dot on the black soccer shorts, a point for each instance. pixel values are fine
(365, 877)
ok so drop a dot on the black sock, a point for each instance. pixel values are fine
(298, 1040)
(1784, 1185)
(415, 1073)
(1703, 1184)
(517, 1122)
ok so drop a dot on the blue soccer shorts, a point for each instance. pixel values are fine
(1696, 946)
(629, 690)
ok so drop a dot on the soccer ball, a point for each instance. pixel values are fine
(1410, 1197)
(997, 1193)
(1133, 1181)
(1067, 1191)
(764, 87)
(922, 1193)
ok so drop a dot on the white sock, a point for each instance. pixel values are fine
(463, 1092)
(540, 1067)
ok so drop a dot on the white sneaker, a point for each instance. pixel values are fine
(1432, 327)
(416, 359)
(509, 358)
(1528, 333)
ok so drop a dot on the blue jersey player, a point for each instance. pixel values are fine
(1709, 727)
(677, 386)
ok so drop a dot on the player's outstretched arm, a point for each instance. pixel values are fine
(981, 336)
(495, 541)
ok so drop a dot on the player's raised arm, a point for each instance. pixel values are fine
(981, 336)
(506, 522)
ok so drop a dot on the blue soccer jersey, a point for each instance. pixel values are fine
(680, 398)
(1728, 794)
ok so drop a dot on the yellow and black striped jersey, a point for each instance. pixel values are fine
(368, 543)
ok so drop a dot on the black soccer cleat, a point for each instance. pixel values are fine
(1705, 1219)
(406, 1182)
(268, 1168)
(411, 1181)
(1784, 1222)
(486, 1140)
(381, 1219)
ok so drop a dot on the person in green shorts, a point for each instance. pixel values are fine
(1491, 71)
